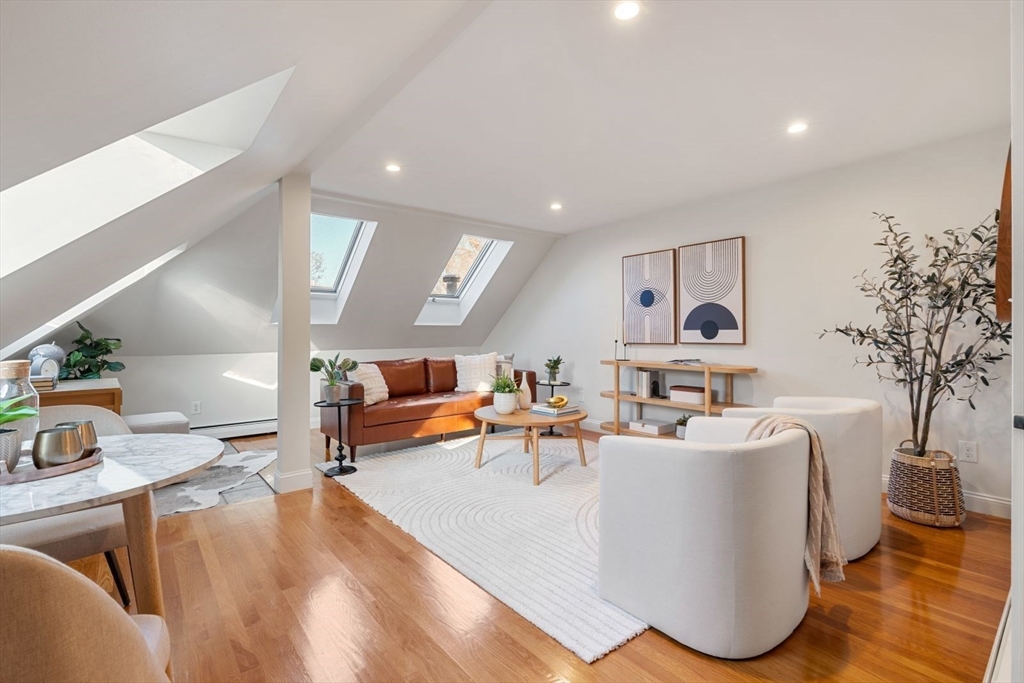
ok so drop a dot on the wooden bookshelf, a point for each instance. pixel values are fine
(625, 430)
(707, 371)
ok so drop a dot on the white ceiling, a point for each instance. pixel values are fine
(539, 102)
(76, 76)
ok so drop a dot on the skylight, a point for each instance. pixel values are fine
(331, 242)
(53, 209)
(462, 267)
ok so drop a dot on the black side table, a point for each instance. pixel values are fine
(341, 469)
(548, 383)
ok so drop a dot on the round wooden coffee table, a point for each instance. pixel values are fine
(532, 423)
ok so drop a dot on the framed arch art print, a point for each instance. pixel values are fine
(649, 298)
(712, 292)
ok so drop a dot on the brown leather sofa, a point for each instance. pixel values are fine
(422, 402)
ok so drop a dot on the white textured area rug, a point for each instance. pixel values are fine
(532, 547)
(203, 490)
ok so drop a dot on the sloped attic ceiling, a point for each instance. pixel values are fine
(217, 297)
(75, 77)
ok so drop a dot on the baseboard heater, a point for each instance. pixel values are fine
(237, 429)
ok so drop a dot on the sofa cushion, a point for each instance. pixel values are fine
(406, 377)
(375, 389)
(440, 374)
(424, 407)
(475, 373)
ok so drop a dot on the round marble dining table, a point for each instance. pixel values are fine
(133, 466)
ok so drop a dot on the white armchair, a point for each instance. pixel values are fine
(704, 539)
(851, 435)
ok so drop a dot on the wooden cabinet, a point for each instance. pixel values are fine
(105, 393)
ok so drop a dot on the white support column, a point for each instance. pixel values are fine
(293, 452)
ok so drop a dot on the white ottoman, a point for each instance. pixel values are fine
(157, 423)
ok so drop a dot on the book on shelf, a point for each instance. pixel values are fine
(43, 383)
(541, 409)
(687, 361)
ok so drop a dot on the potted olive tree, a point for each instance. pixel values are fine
(938, 342)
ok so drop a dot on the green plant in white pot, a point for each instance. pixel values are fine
(681, 426)
(506, 395)
(10, 439)
(939, 341)
(333, 371)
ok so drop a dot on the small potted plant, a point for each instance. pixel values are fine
(553, 366)
(506, 395)
(681, 426)
(10, 438)
(333, 371)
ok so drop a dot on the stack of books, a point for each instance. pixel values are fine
(42, 383)
(548, 411)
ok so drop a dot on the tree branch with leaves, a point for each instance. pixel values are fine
(924, 307)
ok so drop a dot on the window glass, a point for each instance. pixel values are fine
(330, 246)
(463, 262)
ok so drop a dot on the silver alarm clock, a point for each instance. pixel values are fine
(46, 360)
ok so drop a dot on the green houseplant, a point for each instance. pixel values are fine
(334, 371)
(10, 439)
(681, 426)
(553, 366)
(89, 359)
(939, 341)
(506, 395)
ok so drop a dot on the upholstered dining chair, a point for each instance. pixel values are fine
(704, 538)
(75, 535)
(60, 627)
(851, 436)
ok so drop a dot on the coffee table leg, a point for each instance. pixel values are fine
(526, 440)
(480, 445)
(536, 456)
(579, 443)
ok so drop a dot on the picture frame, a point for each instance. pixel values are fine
(712, 292)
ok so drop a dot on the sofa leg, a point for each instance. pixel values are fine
(327, 449)
(351, 453)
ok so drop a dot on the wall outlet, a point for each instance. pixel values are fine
(197, 407)
(580, 396)
(969, 451)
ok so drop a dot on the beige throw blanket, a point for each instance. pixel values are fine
(823, 553)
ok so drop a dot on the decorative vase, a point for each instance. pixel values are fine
(332, 393)
(926, 489)
(680, 431)
(525, 395)
(10, 448)
(505, 404)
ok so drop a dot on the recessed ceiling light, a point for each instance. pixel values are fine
(798, 127)
(556, 207)
(625, 11)
(393, 168)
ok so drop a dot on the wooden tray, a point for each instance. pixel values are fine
(23, 474)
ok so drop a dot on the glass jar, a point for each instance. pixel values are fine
(14, 382)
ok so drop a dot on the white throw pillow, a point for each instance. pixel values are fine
(475, 373)
(375, 389)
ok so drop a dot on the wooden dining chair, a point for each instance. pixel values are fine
(60, 627)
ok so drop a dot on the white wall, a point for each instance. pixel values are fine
(233, 387)
(806, 240)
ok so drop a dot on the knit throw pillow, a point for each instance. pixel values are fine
(475, 373)
(375, 389)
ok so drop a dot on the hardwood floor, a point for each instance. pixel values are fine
(317, 586)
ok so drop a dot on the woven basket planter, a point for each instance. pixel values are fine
(926, 489)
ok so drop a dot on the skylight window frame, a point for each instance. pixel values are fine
(346, 261)
(481, 258)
